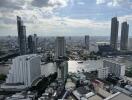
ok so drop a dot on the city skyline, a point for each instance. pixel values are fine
(64, 17)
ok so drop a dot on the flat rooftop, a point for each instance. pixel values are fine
(119, 96)
(96, 97)
(103, 93)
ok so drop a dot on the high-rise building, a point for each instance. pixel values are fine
(130, 44)
(60, 47)
(35, 42)
(87, 42)
(124, 36)
(25, 69)
(32, 44)
(60, 52)
(21, 36)
(62, 70)
(114, 67)
(114, 32)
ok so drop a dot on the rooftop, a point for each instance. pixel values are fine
(118, 96)
(83, 90)
(95, 97)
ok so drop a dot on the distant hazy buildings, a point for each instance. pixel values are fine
(114, 32)
(124, 36)
(60, 47)
(24, 69)
(32, 44)
(87, 42)
(130, 44)
(21, 36)
(115, 68)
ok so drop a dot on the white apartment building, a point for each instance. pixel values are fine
(114, 67)
(24, 69)
(103, 73)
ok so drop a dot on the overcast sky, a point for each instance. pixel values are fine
(64, 17)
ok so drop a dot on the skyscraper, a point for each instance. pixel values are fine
(32, 43)
(35, 42)
(124, 36)
(62, 70)
(60, 47)
(60, 51)
(114, 32)
(87, 42)
(21, 36)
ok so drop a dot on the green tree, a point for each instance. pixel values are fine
(2, 77)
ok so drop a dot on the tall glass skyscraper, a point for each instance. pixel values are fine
(32, 44)
(87, 42)
(60, 51)
(60, 47)
(114, 32)
(124, 36)
(21, 36)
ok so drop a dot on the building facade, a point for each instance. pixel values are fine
(62, 70)
(87, 42)
(35, 42)
(32, 44)
(24, 69)
(103, 73)
(60, 47)
(130, 44)
(114, 33)
(115, 68)
(21, 36)
(124, 36)
(60, 53)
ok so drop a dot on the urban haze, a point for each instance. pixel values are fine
(65, 50)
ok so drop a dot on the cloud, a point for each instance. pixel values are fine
(40, 3)
(29, 10)
(80, 3)
(100, 1)
(41, 16)
(125, 18)
(11, 4)
(49, 3)
(61, 26)
(46, 6)
(115, 3)
(86, 23)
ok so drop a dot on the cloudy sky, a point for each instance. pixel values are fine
(64, 17)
